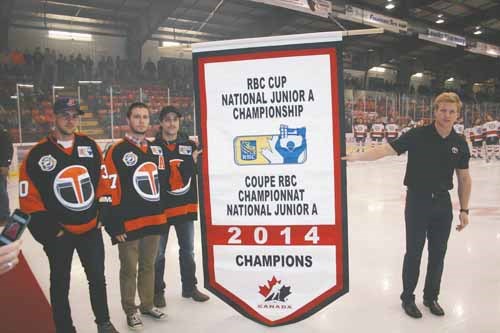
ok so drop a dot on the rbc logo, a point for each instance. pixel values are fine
(248, 150)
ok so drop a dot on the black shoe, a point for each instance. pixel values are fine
(106, 327)
(435, 308)
(159, 300)
(411, 310)
(196, 295)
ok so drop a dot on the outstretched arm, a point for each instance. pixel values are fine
(372, 154)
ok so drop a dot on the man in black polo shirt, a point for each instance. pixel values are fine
(434, 152)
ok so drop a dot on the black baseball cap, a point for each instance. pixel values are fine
(66, 104)
(169, 109)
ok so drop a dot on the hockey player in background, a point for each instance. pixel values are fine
(458, 127)
(360, 131)
(377, 132)
(391, 130)
(408, 127)
(133, 213)
(490, 134)
(476, 138)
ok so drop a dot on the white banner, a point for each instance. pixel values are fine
(485, 49)
(373, 19)
(273, 199)
(314, 7)
(443, 38)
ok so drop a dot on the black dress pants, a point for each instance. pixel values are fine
(427, 215)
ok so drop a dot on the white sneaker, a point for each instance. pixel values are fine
(134, 321)
(155, 313)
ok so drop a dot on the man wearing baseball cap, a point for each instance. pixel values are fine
(181, 204)
(57, 185)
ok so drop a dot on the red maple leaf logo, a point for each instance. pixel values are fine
(265, 290)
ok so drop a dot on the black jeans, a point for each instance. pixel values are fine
(427, 215)
(90, 249)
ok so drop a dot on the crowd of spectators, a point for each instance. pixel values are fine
(47, 68)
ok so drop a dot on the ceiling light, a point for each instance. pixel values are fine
(378, 69)
(419, 75)
(89, 82)
(170, 44)
(439, 21)
(66, 35)
(450, 79)
(390, 6)
(478, 32)
(440, 15)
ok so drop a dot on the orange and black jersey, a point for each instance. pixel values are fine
(58, 186)
(131, 191)
(181, 199)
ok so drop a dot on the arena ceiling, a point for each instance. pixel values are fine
(190, 21)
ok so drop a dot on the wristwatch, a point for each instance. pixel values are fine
(466, 211)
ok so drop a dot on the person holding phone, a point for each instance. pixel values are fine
(57, 186)
(9, 256)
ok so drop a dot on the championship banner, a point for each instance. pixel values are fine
(272, 184)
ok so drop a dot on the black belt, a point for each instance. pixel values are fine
(433, 194)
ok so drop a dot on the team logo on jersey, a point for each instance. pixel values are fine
(177, 185)
(185, 150)
(454, 150)
(47, 163)
(73, 188)
(146, 181)
(130, 159)
(85, 151)
(156, 150)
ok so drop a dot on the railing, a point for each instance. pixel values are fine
(30, 117)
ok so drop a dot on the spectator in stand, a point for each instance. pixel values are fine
(5, 61)
(18, 62)
(46, 69)
(80, 67)
(150, 69)
(70, 69)
(37, 65)
(28, 59)
(118, 73)
(52, 70)
(110, 69)
(101, 68)
(89, 65)
(60, 65)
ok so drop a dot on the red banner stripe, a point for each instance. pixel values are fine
(274, 235)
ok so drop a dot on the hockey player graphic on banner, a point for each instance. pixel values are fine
(287, 147)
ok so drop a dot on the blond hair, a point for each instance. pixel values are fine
(448, 97)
